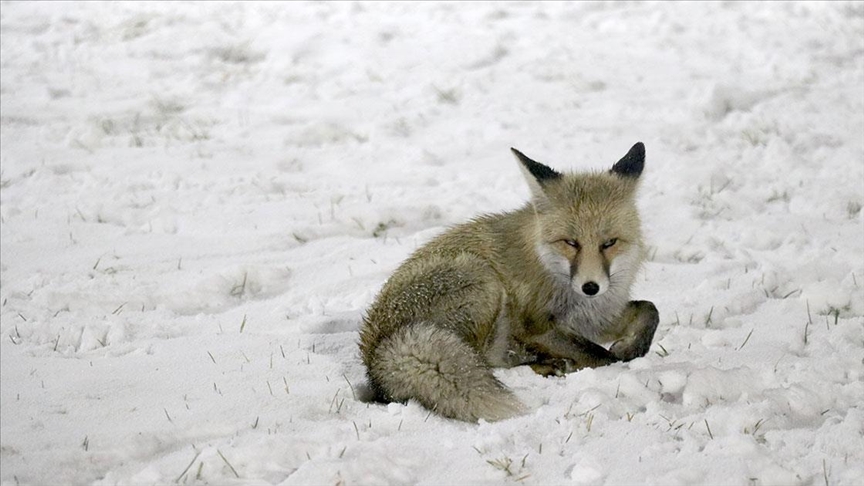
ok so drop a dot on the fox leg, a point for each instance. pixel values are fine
(556, 353)
(639, 322)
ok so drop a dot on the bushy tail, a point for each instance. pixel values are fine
(439, 370)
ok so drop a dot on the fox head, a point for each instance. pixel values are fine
(587, 230)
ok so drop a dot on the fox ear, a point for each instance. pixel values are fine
(537, 174)
(631, 165)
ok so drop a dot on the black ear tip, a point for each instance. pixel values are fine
(538, 170)
(631, 165)
(521, 157)
(638, 150)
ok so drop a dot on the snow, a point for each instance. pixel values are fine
(199, 201)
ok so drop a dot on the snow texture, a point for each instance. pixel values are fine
(200, 200)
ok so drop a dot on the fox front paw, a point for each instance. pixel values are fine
(554, 367)
(643, 317)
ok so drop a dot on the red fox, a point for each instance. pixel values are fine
(545, 286)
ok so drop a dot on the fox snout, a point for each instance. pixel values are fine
(589, 272)
(586, 274)
(588, 278)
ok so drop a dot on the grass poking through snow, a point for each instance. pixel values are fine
(228, 463)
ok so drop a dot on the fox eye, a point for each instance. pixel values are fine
(573, 243)
(609, 243)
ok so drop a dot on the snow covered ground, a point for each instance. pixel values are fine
(199, 201)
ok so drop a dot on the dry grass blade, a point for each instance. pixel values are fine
(745, 340)
(228, 463)
(353, 393)
(187, 467)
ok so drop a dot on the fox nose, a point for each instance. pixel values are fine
(590, 288)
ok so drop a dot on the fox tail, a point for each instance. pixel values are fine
(444, 374)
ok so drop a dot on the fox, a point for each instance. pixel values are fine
(547, 285)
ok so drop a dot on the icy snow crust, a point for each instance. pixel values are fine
(200, 200)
